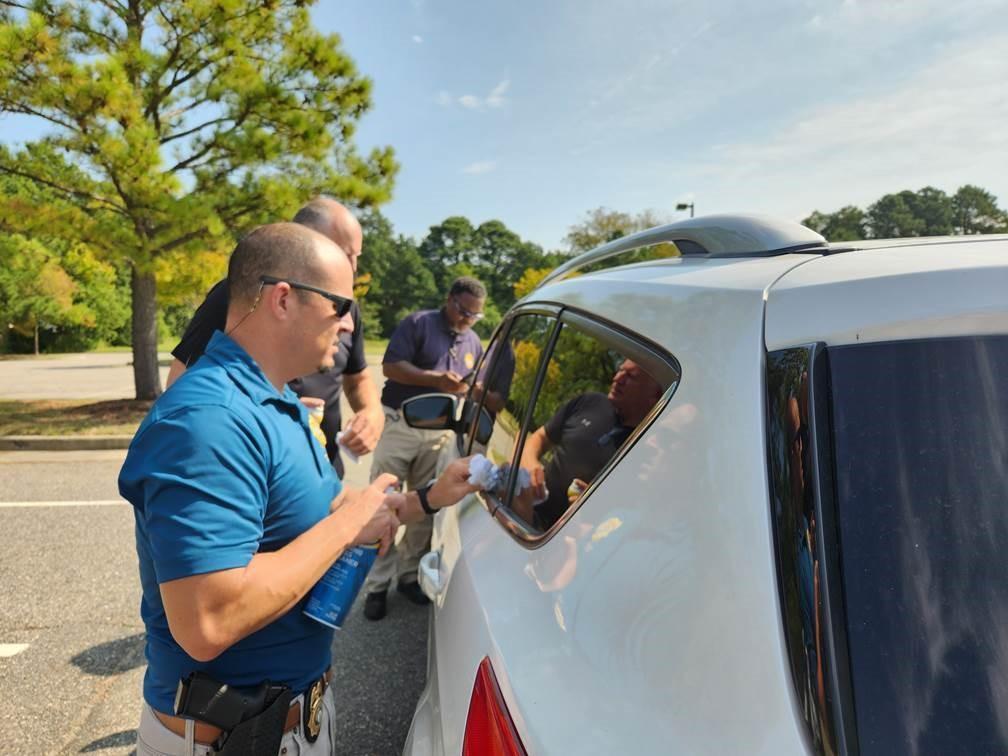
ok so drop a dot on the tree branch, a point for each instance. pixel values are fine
(189, 132)
(213, 144)
(65, 190)
(25, 110)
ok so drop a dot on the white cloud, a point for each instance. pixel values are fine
(495, 99)
(480, 167)
(418, 39)
(942, 127)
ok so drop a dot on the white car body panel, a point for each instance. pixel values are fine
(884, 294)
(670, 665)
(650, 621)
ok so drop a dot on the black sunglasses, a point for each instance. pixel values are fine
(341, 305)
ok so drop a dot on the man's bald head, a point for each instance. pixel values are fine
(283, 250)
(334, 221)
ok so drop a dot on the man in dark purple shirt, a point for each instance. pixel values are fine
(430, 351)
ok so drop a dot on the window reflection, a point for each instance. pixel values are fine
(798, 535)
(592, 400)
(505, 382)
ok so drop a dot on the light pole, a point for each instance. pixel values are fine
(684, 206)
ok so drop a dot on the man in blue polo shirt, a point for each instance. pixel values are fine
(430, 350)
(238, 511)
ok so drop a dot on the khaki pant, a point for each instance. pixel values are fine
(154, 739)
(414, 456)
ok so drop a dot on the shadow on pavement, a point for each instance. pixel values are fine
(112, 657)
(115, 740)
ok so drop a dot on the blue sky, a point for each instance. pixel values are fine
(536, 112)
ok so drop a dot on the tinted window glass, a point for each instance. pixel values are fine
(505, 382)
(589, 404)
(921, 444)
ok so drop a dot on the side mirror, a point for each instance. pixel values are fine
(431, 411)
(438, 412)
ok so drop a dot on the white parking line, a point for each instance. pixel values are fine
(11, 649)
(100, 503)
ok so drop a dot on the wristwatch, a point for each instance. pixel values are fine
(422, 495)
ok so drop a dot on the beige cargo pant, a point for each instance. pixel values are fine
(415, 456)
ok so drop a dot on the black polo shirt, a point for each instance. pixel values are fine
(585, 432)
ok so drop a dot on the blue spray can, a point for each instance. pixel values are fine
(330, 600)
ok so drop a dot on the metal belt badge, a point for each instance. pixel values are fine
(312, 711)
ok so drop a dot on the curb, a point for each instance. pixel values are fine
(63, 443)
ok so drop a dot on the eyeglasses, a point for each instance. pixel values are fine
(467, 314)
(341, 305)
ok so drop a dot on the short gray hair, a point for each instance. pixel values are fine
(467, 285)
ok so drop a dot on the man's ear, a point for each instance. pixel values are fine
(278, 300)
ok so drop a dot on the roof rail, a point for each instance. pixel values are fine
(710, 236)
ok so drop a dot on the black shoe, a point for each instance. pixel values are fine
(374, 605)
(413, 592)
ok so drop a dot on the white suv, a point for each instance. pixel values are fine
(756, 502)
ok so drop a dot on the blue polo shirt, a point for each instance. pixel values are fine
(426, 340)
(223, 467)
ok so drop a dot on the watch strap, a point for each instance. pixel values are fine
(422, 495)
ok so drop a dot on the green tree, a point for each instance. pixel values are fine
(100, 293)
(892, 216)
(846, 224)
(603, 225)
(529, 280)
(975, 211)
(501, 258)
(409, 286)
(933, 208)
(449, 250)
(176, 125)
(35, 290)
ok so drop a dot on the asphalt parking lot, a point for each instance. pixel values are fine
(71, 641)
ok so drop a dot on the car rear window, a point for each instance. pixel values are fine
(921, 475)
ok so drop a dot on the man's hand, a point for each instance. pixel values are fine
(451, 383)
(538, 476)
(450, 488)
(452, 485)
(365, 512)
(312, 402)
(362, 434)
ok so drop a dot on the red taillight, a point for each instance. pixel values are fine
(489, 730)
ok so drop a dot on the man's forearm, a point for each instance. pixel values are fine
(174, 372)
(361, 393)
(536, 445)
(209, 613)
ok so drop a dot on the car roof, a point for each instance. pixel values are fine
(838, 293)
(893, 290)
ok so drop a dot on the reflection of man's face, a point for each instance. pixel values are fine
(633, 392)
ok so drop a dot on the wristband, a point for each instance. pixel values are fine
(422, 495)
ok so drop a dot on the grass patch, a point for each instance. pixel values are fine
(60, 417)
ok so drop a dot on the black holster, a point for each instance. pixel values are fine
(252, 718)
(261, 734)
